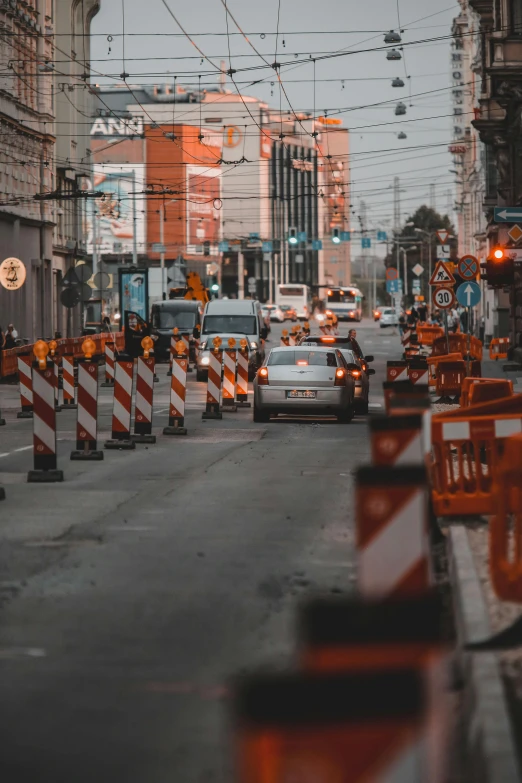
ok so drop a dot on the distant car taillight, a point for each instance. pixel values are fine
(355, 373)
(262, 376)
(340, 377)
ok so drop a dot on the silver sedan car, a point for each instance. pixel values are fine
(305, 380)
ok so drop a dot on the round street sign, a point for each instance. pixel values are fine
(443, 298)
(468, 267)
(12, 273)
(391, 273)
(469, 294)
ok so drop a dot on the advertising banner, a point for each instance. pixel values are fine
(134, 291)
(120, 184)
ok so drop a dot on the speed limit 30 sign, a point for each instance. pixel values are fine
(443, 298)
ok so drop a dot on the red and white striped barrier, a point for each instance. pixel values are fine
(86, 424)
(392, 531)
(121, 412)
(56, 362)
(186, 340)
(419, 374)
(25, 380)
(229, 379)
(68, 386)
(178, 391)
(406, 338)
(396, 371)
(212, 410)
(397, 440)
(242, 379)
(110, 358)
(173, 340)
(44, 427)
(144, 401)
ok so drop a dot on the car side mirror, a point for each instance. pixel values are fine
(369, 359)
(370, 372)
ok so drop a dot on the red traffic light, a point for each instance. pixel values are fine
(498, 254)
(500, 268)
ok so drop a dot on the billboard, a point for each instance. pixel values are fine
(134, 291)
(203, 194)
(114, 219)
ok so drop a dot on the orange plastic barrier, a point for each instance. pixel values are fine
(450, 374)
(427, 334)
(433, 363)
(71, 346)
(467, 383)
(458, 343)
(505, 527)
(498, 348)
(493, 389)
(467, 446)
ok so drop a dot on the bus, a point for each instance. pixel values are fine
(345, 302)
(296, 295)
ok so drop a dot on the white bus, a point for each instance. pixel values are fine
(345, 302)
(296, 295)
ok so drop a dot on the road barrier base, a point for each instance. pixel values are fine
(2, 422)
(241, 404)
(2, 493)
(24, 415)
(69, 406)
(57, 408)
(44, 476)
(174, 430)
(119, 444)
(228, 407)
(143, 438)
(447, 401)
(93, 456)
(107, 385)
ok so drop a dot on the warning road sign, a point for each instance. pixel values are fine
(468, 267)
(442, 235)
(443, 298)
(442, 275)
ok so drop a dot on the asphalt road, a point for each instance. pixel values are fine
(132, 591)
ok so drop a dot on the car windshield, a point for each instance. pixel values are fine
(349, 356)
(237, 324)
(388, 312)
(313, 358)
(166, 319)
(286, 307)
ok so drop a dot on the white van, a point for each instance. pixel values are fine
(235, 318)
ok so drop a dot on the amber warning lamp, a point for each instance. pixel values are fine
(40, 350)
(180, 347)
(231, 342)
(88, 348)
(243, 343)
(147, 344)
(216, 342)
(53, 345)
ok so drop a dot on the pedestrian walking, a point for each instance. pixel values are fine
(402, 323)
(413, 316)
(453, 320)
(423, 313)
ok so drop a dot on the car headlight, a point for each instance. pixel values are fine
(205, 360)
(253, 345)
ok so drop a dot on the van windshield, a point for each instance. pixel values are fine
(166, 319)
(237, 324)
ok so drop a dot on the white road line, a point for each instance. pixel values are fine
(23, 448)
(374, 405)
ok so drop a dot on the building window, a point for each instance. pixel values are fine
(516, 17)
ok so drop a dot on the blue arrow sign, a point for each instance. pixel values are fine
(366, 242)
(266, 247)
(507, 214)
(301, 236)
(468, 294)
(382, 236)
(317, 244)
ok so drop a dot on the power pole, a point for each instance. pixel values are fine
(397, 218)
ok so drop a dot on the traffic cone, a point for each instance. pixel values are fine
(212, 410)
(44, 418)
(178, 391)
(86, 425)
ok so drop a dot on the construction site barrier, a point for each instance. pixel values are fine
(505, 527)
(433, 363)
(458, 343)
(485, 389)
(396, 371)
(498, 348)
(418, 371)
(450, 375)
(466, 448)
(427, 334)
(70, 346)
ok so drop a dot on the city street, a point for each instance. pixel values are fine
(132, 591)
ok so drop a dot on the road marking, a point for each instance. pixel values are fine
(23, 448)
(374, 405)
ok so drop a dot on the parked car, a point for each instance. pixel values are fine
(289, 312)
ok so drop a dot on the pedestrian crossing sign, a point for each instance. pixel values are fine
(442, 275)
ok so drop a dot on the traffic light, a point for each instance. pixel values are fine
(292, 236)
(206, 248)
(336, 236)
(214, 285)
(500, 268)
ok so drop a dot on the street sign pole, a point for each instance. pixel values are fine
(445, 313)
(468, 361)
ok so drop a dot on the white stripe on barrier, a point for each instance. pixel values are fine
(44, 390)
(68, 370)
(395, 550)
(413, 452)
(122, 414)
(144, 406)
(125, 381)
(455, 430)
(87, 422)
(506, 427)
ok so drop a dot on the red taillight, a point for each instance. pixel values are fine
(355, 373)
(262, 377)
(340, 377)
(327, 339)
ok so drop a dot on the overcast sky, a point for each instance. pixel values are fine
(156, 50)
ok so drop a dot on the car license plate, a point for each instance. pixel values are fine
(309, 395)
